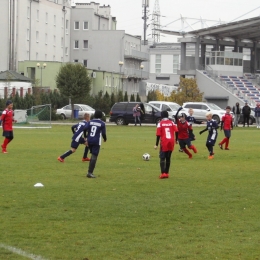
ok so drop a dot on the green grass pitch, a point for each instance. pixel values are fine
(205, 210)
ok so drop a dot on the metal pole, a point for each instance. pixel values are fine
(41, 76)
(120, 83)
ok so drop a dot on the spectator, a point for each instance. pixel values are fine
(257, 115)
(137, 114)
(237, 111)
(246, 111)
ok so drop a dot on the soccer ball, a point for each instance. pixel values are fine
(146, 156)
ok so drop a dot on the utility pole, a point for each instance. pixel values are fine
(145, 17)
(156, 22)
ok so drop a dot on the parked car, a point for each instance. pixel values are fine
(200, 109)
(65, 112)
(122, 113)
(251, 118)
(171, 107)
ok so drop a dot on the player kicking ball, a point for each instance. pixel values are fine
(7, 120)
(211, 127)
(165, 132)
(227, 125)
(95, 128)
(77, 138)
(184, 134)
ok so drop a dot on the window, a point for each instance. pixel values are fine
(158, 63)
(54, 20)
(28, 35)
(76, 44)
(67, 26)
(54, 40)
(76, 60)
(85, 25)
(175, 63)
(85, 44)
(46, 18)
(85, 63)
(76, 26)
(106, 80)
(46, 38)
(37, 36)
(66, 51)
(61, 42)
(28, 12)
(37, 15)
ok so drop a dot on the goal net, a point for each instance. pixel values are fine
(35, 117)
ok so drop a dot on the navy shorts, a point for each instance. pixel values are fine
(164, 155)
(94, 149)
(211, 142)
(227, 133)
(8, 134)
(75, 144)
(184, 142)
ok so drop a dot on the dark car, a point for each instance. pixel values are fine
(122, 113)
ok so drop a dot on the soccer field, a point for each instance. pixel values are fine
(207, 209)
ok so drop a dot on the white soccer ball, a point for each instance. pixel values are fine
(146, 156)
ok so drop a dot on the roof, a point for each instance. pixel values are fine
(13, 76)
(248, 29)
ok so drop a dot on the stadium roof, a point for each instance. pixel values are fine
(248, 29)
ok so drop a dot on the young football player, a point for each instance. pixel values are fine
(165, 132)
(211, 127)
(85, 154)
(7, 120)
(77, 138)
(184, 134)
(96, 127)
(227, 125)
(191, 120)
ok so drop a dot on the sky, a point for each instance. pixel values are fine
(129, 13)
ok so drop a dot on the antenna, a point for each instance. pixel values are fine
(156, 21)
(145, 5)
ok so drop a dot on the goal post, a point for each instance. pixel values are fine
(34, 117)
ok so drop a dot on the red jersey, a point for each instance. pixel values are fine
(227, 121)
(7, 120)
(166, 130)
(183, 129)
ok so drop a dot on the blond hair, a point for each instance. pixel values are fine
(209, 114)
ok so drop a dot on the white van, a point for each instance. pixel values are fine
(171, 107)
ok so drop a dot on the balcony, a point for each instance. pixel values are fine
(137, 55)
(134, 73)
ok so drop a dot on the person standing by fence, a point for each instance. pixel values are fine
(246, 111)
(137, 114)
(257, 115)
(237, 111)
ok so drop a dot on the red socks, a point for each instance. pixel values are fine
(6, 142)
(225, 141)
(193, 148)
(187, 152)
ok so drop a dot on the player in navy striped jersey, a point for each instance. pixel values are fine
(96, 130)
(211, 127)
(77, 138)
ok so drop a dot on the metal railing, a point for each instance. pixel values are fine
(136, 73)
(134, 54)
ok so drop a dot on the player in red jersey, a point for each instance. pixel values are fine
(7, 120)
(184, 129)
(227, 125)
(166, 129)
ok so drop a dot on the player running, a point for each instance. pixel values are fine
(211, 127)
(86, 149)
(227, 125)
(165, 132)
(95, 128)
(7, 120)
(184, 134)
(77, 137)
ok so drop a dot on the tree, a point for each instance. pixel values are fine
(126, 97)
(151, 96)
(120, 97)
(73, 82)
(187, 91)
(138, 99)
(132, 98)
(112, 99)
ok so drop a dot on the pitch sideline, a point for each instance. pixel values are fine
(20, 252)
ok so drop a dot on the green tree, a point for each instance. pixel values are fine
(73, 82)
(126, 97)
(120, 97)
(132, 98)
(112, 99)
(151, 96)
(187, 91)
(138, 99)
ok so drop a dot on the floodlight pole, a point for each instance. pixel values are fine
(41, 68)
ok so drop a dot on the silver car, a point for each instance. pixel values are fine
(65, 112)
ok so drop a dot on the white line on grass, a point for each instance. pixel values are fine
(20, 252)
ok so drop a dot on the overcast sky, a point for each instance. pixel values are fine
(129, 12)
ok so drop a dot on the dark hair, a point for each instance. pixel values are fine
(228, 107)
(9, 102)
(164, 114)
(98, 114)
